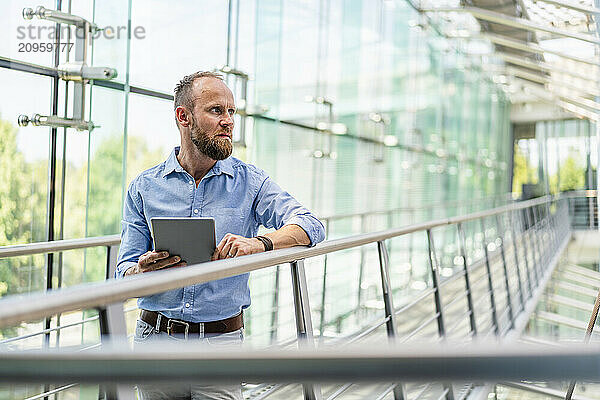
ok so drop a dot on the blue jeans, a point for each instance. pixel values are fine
(144, 333)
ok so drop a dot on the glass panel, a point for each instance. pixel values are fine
(24, 169)
(22, 38)
(151, 133)
(172, 49)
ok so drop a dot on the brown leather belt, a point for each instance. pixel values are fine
(175, 326)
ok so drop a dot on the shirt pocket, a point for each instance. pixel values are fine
(227, 220)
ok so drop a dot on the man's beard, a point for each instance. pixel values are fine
(215, 147)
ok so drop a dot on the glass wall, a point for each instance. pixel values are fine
(561, 157)
(418, 122)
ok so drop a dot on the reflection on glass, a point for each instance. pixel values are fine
(151, 133)
(22, 38)
(181, 38)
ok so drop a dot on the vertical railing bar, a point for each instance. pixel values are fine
(113, 328)
(435, 277)
(511, 315)
(362, 263)
(551, 225)
(304, 328)
(388, 301)
(433, 263)
(490, 283)
(526, 244)
(463, 251)
(324, 286)
(537, 230)
(547, 231)
(275, 306)
(533, 244)
(517, 263)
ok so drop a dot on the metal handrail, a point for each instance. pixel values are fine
(58, 245)
(112, 240)
(14, 309)
(454, 361)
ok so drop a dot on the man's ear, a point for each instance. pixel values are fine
(182, 116)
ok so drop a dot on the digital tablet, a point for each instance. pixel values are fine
(192, 239)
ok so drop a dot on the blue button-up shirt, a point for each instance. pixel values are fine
(239, 196)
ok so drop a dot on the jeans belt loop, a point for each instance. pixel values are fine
(157, 327)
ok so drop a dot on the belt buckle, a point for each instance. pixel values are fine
(170, 323)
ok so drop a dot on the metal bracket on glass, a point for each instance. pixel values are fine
(381, 122)
(78, 71)
(59, 17)
(325, 151)
(242, 101)
(55, 122)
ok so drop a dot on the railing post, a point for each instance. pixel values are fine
(324, 286)
(591, 212)
(533, 243)
(361, 268)
(463, 254)
(113, 328)
(433, 263)
(274, 306)
(517, 264)
(511, 314)
(304, 326)
(541, 251)
(390, 311)
(112, 317)
(525, 240)
(548, 231)
(490, 283)
(551, 226)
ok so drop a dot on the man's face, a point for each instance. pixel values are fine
(212, 118)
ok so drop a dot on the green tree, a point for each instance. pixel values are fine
(522, 172)
(22, 220)
(572, 175)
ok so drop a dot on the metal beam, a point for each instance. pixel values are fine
(520, 23)
(533, 48)
(567, 103)
(542, 66)
(574, 6)
(526, 74)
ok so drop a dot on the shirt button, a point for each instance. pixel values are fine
(191, 182)
(187, 305)
(195, 211)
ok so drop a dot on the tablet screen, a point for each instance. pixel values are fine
(192, 239)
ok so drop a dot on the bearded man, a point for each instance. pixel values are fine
(201, 179)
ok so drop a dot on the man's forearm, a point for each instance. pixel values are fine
(288, 236)
(235, 245)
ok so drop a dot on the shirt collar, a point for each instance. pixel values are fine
(172, 164)
(222, 166)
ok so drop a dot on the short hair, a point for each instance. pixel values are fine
(183, 90)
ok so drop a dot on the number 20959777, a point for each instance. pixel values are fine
(43, 47)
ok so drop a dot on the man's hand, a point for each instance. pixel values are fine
(234, 245)
(152, 261)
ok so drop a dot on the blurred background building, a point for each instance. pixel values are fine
(373, 113)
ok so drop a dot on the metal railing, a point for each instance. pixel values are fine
(583, 209)
(511, 288)
(367, 222)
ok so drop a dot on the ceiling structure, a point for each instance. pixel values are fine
(545, 52)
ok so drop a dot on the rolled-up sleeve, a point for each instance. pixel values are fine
(274, 208)
(135, 234)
